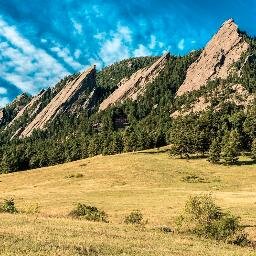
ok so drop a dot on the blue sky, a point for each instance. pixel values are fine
(43, 40)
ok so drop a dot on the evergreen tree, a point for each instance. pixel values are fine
(214, 152)
(230, 148)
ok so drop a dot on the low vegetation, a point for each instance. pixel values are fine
(204, 218)
(135, 217)
(88, 212)
(8, 206)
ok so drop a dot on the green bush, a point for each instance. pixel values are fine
(193, 179)
(135, 217)
(88, 212)
(204, 218)
(8, 206)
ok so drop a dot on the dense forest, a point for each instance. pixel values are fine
(222, 131)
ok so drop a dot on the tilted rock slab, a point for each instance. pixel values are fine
(31, 106)
(1, 115)
(225, 48)
(59, 103)
(134, 86)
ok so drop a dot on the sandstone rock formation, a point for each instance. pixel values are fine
(31, 108)
(1, 115)
(60, 102)
(216, 60)
(134, 86)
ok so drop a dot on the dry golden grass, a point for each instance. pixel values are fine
(149, 181)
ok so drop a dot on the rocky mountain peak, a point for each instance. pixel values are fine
(217, 59)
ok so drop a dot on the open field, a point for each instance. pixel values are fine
(151, 181)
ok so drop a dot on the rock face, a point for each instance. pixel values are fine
(61, 102)
(1, 115)
(31, 108)
(134, 86)
(216, 60)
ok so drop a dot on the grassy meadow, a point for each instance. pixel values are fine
(149, 181)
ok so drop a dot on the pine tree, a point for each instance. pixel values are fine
(214, 152)
(230, 148)
(253, 150)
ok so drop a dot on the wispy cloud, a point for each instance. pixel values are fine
(66, 56)
(25, 66)
(141, 51)
(181, 44)
(4, 101)
(3, 90)
(117, 46)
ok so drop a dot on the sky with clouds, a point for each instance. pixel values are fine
(43, 40)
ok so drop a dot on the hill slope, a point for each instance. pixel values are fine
(150, 181)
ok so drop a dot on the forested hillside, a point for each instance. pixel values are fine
(217, 118)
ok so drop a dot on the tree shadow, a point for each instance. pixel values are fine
(156, 151)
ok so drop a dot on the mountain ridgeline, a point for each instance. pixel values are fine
(196, 101)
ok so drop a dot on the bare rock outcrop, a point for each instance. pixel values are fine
(31, 108)
(59, 103)
(215, 61)
(134, 86)
(1, 115)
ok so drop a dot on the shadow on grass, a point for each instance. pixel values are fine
(248, 162)
(156, 151)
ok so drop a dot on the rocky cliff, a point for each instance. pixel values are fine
(60, 103)
(131, 88)
(217, 59)
(31, 108)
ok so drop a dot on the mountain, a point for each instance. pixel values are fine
(136, 104)
(217, 59)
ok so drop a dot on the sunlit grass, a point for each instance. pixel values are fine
(151, 182)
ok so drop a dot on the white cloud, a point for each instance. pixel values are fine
(181, 44)
(65, 55)
(43, 40)
(25, 66)
(117, 47)
(77, 53)
(4, 101)
(3, 90)
(152, 44)
(77, 26)
(141, 51)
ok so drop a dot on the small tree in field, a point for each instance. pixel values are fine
(230, 148)
(214, 152)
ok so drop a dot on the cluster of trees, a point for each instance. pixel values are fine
(223, 134)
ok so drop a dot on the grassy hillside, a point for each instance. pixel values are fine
(151, 181)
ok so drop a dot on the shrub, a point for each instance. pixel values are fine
(8, 206)
(135, 217)
(193, 179)
(204, 218)
(88, 212)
